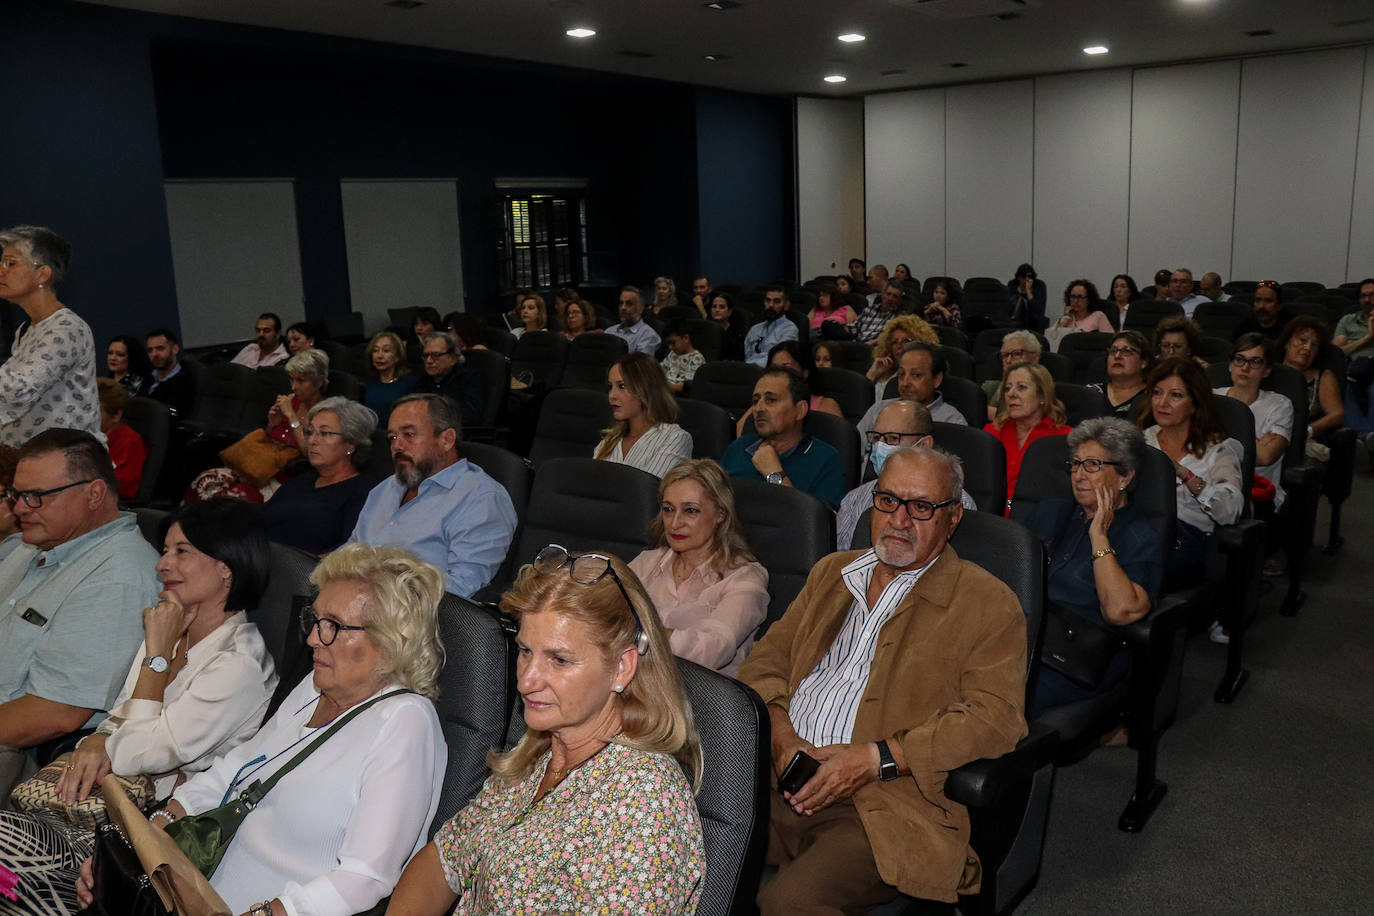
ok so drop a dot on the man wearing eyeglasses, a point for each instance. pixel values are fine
(71, 599)
(772, 330)
(446, 374)
(1268, 316)
(1181, 290)
(920, 373)
(1017, 347)
(893, 666)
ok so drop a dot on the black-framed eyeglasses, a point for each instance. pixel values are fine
(34, 498)
(921, 510)
(1251, 362)
(892, 438)
(1091, 465)
(1122, 351)
(429, 355)
(589, 569)
(327, 628)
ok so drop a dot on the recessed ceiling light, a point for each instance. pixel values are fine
(581, 33)
(834, 78)
(850, 37)
(717, 57)
(1095, 49)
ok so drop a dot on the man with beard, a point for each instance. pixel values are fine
(169, 384)
(772, 330)
(892, 667)
(439, 506)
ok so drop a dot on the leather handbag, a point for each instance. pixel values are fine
(206, 836)
(121, 885)
(1075, 648)
(258, 456)
(40, 794)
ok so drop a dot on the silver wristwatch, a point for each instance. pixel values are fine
(261, 909)
(157, 663)
(774, 478)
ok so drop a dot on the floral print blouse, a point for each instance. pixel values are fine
(620, 834)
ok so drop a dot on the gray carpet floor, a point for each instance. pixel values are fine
(1270, 806)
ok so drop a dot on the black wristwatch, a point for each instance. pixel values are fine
(887, 767)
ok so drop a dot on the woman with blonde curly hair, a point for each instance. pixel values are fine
(710, 591)
(887, 349)
(645, 434)
(591, 811)
(335, 833)
(1029, 410)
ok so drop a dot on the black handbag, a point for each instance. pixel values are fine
(121, 887)
(1076, 648)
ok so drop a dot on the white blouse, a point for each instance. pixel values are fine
(213, 705)
(1221, 501)
(332, 837)
(1273, 414)
(657, 451)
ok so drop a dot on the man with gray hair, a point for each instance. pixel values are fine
(447, 373)
(1211, 287)
(893, 666)
(1181, 290)
(439, 506)
(1017, 347)
(636, 333)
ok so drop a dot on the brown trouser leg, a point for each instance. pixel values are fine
(825, 863)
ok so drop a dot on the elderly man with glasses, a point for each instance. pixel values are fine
(893, 666)
(446, 373)
(71, 599)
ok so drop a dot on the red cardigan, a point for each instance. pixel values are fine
(1006, 434)
(128, 454)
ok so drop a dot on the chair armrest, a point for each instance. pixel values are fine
(983, 783)
(1241, 536)
(1169, 613)
(1303, 477)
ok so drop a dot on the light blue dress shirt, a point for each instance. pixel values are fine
(640, 337)
(766, 335)
(460, 520)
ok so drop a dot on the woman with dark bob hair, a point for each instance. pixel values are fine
(591, 812)
(127, 361)
(1122, 292)
(1298, 346)
(1104, 561)
(198, 688)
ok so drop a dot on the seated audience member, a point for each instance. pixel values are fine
(901, 273)
(1161, 288)
(439, 506)
(772, 330)
(1128, 360)
(1355, 336)
(683, 360)
(780, 452)
(1251, 364)
(944, 305)
(267, 348)
(168, 383)
(824, 356)
(920, 373)
(665, 295)
(845, 284)
(632, 329)
(335, 834)
(645, 433)
(425, 321)
(710, 591)
(1183, 425)
(877, 281)
(1211, 287)
(1181, 291)
(447, 373)
(1080, 313)
(592, 811)
(900, 424)
(877, 315)
(48, 381)
(1124, 292)
(300, 337)
(309, 375)
(831, 309)
(565, 297)
(578, 319)
(10, 536)
(1027, 297)
(732, 330)
(1103, 561)
(1269, 315)
(887, 350)
(468, 329)
(316, 511)
(126, 447)
(198, 688)
(389, 375)
(948, 677)
(791, 356)
(75, 595)
(858, 276)
(1017, 347)
(1029, 410)
(702, 294)
(1178, 338)
(128, 364)
(533, 315)
(1303, 339)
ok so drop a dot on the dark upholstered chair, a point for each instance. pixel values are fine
(495, 371)
(152, 420)
(1220, 319)
(727, 384)
(585, 504)
(345, 385)
(1081, 402)
(589, 359)
(570, 424)
(513, 473)
(985, 463)
(541, 355)
(789, 532)
(709, 426)
(1084, 350)
(1144, 314)
(850, 389)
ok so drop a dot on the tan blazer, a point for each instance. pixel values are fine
(948, 683)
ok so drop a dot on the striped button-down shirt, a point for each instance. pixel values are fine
(827, 700)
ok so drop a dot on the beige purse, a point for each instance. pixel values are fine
(40, 794)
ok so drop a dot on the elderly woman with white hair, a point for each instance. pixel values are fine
(332, 836)
(316, 511)
(1017, 347)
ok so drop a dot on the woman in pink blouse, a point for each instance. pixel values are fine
(709, 590)
(1080, 309)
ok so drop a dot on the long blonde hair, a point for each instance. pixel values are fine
(655, 715)
(645, 380)
(728, 539)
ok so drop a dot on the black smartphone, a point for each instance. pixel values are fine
(799, 769)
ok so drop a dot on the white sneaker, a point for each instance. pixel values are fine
(1218, 634)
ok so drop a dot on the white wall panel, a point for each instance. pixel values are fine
(1360, 259)
(830, 184)
(235, 254)
(1183, 161)
(403, 246)
(904, 174)
(990, 146)
(1082, 178)
(1299, 120)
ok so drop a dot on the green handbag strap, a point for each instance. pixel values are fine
(254, 793)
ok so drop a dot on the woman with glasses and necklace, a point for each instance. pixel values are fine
(316, 511)
(1105, 563)
(1081, 311)
(1128, 359)
(332, 836)
(591, 812)
(198, 687)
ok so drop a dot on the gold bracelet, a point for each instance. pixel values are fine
(1104, 552)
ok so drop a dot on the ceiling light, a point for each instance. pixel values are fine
(717, 57)
(581, 33)
(1095, 49)
(834, 78)
(850, 37)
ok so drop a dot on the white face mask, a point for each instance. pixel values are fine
(879, 455)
